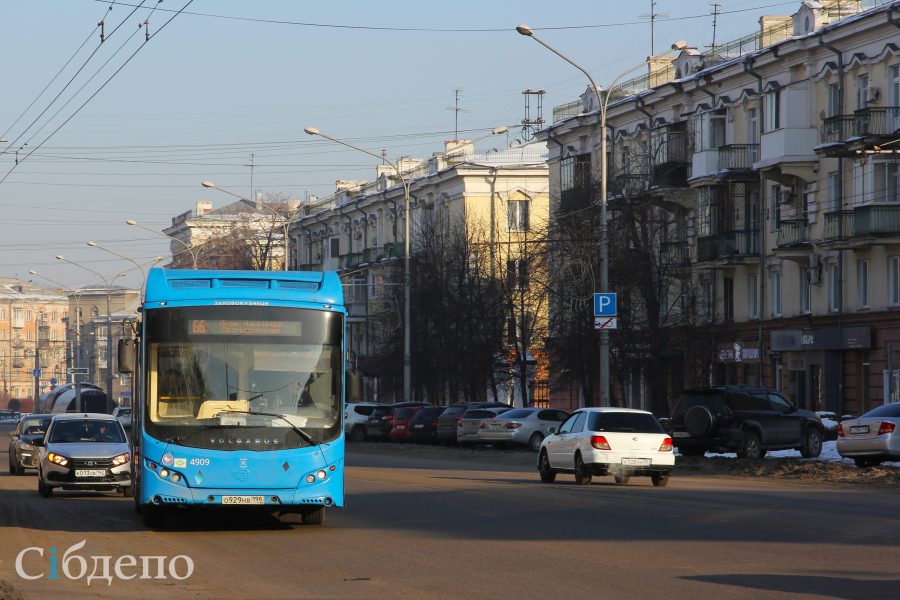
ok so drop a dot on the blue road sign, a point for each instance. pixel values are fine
(35, 372)
(605, 305)
(53, 381)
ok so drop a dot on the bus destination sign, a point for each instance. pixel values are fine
(235, 327)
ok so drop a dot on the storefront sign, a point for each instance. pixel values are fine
(739, 352)
(847, 338)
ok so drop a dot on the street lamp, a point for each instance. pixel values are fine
(108, 284)
(191, 249)
(285, 220)
(604, 234)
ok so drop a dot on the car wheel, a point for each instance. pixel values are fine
(548, 474)
(153, 517)
(314, 516)
(358, 434)
(692, 451)
(621, 477)
(750, 446)
(659, 479)
(127, 491)
(865, 463)
(582, 474)
(534, 442)
(43, 490)
(812, 443)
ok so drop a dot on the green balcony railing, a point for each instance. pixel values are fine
(876, 219)
(728, 245)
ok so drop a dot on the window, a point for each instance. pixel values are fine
(575, 172)
(335, 249)
(517, 215)
(887, 182)
(772, 111)
(834, 99)
(752, 296)
(709, 131)
(706, 211)
(862, 82)
(728, 299)
(17, 314)
(862, 283)
(708, 306)
(834, 288)
(834, 191)
(776, 207)
(517, 274)
(752, 126)
(894, 281)
(805, 292)
(775, 290)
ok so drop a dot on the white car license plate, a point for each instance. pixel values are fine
(419, 426)
(90, 473)
(859, 429)
(636, 462)
(243, 500)
(681, 434)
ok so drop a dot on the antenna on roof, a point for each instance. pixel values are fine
(653, 16)
(715, 14)
(456, 109)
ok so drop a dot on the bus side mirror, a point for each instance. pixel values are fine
(126, 356)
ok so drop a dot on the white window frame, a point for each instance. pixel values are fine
(775, 293)
(834, 288)
(834, 191)
(833, 94)
(887, 182)
(805, 293)
(862, 283)
(862, 82)
(771, 111)
(518, 214)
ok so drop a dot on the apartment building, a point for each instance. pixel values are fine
(775, 163)
(499, 197)
(32, 340)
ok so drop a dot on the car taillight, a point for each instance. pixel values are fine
(886, 427)
(434, 424)
(599, 442)
(840, 430)
(457, 417)
(512, 426)
(666, 445)
(388, 417)
(482, 426)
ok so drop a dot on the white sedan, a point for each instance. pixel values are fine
(871, 438)
(608, 441)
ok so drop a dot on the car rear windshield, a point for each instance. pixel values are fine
(382, 410)
(68, 432)
(519, 413)
(709, 398)
(479, 414)
(404, 413)
(624, 422)
(888, 410)
(453, 410)
(429, 412)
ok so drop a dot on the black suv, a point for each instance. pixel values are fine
(748, 420)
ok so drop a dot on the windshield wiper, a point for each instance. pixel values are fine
(308, 438)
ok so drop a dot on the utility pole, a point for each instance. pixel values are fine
(715, 13)
(37, 355)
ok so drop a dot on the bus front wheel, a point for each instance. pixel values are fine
(313, 516)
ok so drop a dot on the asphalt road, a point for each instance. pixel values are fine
(445, 525)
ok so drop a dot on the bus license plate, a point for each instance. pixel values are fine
(243, 500)
(90, 473)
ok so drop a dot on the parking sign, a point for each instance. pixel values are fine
(605, 305)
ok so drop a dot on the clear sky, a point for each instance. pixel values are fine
(239, 78)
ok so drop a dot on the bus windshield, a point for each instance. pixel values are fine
(213, 367)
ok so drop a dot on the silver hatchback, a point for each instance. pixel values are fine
(84, 451)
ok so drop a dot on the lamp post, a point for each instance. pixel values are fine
(108, 284)
(602, 103)
(285, 220)
(191, 249)
(93, 244)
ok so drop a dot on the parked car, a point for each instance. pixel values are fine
(470, 422)
(8, 415)
(123, 414)
(524, 426)
(748, 420)
(621, 442)
(448, 422)
(356, 416)
(23, 454)
(381, 421)
(402, 418)
(423, 425)
(872, 438)
(84, 451)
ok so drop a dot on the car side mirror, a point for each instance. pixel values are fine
(552, 429)
(38, 442)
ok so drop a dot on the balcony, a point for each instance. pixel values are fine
(371, 255)
(18, 322)
(348, 261)
(577, 198)
(843, 135)
(729, 245)
(675, 254)
(876, 219)
(670, 160)
(628, 186)
(789, 144)
(392, 249)
(838, 225)
(738, 157)
(793, 233)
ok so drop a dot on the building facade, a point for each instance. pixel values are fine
(773, 168)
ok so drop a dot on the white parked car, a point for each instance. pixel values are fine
(524, 426)
(123, 414)
(608, 441)
(871, 438)
(356, 415)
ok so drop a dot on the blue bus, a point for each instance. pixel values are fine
(239, 393)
